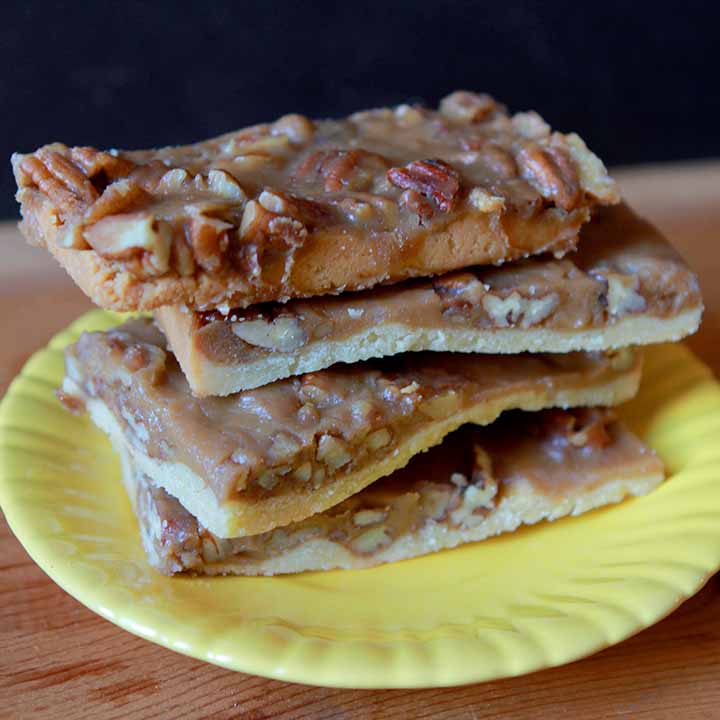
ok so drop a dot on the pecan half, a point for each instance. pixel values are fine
(60, 179)
(551, 171)
(351, 169)
(434, 179)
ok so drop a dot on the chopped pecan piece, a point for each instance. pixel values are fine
(499, 160)
(623, 297)
(273, 203)
(102, 168)
(468, 106)
(225, 185)
(459, 291)
(432, 178)
(260, 142)
(209, 239)
(376, 538)
(298, 128)
(516, 309)
(378, 439)
(593, 433)
(594, 177)
(267, 232)
(483, 201)
(416, 203)
(408, 115)
(577, 428)
(363, 518)
(136, 357)
(480, 493)
(121, 237)
(71, 403)
(482, 474)
(285, 447)
(119, 197)
(181, 258)
(333, 452)
(530, 125)
(357, 210)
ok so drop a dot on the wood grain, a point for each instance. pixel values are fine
(59, 659)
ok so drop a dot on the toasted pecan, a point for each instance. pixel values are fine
(434, 179)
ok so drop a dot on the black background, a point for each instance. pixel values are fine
(637, 80)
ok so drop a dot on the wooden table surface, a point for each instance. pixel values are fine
(59, 659)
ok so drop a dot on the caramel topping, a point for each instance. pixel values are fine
(456, 485)
(405, 172)
(306, 431)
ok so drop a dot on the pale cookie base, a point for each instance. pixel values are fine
(209, 378)
(235, 518)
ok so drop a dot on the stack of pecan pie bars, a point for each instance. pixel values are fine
(358, 341)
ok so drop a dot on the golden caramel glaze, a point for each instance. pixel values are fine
(298, 208)
(623, 269)
(453, 489)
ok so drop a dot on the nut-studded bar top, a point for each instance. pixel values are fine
(259, 459)
(298, 208)
(481, 481)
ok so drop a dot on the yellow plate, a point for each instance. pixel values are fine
(539, 597)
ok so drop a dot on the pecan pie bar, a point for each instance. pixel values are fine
(250, 462)
(624, 285)
(298, 208)
(480, 482)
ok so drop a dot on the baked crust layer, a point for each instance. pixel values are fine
(624, 285)
(522, 469)
(249, 462)
(299, 208)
